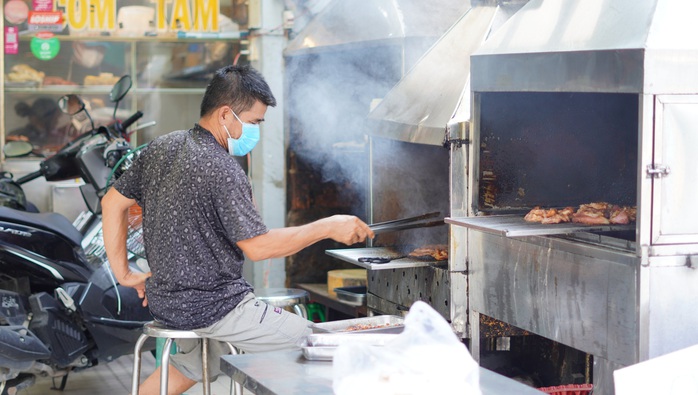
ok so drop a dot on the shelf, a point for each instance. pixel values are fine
(318, 293)
(102, 90)
(165, 38)
(62, 89)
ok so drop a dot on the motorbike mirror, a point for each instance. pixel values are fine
(119, 90)
(15, 149)
(71, 104)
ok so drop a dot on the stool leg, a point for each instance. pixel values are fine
(300, 310)
(165, 366)
(235, 387)
(135, 380)
(204, 365)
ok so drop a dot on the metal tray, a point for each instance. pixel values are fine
(381, 324)
(318, 353)
(321, 346)
(516, 226)
(337, 339)
(352, 255)
(352, 295)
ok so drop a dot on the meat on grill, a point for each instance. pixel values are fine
(438, 252)
(549, 216)
(597, 213)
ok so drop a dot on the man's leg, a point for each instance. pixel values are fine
(176, 384)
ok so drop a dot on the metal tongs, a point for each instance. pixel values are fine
(401, 224)
(407, 223)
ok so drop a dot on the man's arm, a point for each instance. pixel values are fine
(115, 231)
(282, 242)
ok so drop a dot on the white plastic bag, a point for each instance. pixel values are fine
(426, 358)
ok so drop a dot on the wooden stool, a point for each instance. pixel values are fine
(285, 297)
(158, 330)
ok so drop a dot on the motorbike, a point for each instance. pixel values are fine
(62, 309)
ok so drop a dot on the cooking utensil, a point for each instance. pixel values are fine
(379, 259)
(407, 223)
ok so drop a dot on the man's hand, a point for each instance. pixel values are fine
(348, 229)
(136, 280)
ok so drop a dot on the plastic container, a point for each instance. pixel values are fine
(569, 389)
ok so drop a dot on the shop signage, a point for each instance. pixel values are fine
(11, 42)
(186, 15)
(45, 46)
(45, 21)
(42, 5)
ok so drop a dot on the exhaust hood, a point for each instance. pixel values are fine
(435, 93)
(359, 22)
(622, 46)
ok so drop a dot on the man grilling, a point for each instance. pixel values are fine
(199, 223)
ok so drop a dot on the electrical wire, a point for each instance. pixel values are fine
(116, 288)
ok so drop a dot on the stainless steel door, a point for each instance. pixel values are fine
(675, 170)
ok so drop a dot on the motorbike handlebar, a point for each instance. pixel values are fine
(131, 120)
(29, 177)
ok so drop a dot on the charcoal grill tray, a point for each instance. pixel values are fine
(516, 226)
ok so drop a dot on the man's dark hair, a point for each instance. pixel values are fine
(238, 87)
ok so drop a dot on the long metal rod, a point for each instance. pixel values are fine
(406, 220)
(393, 228)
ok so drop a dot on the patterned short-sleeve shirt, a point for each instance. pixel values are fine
(197, 204)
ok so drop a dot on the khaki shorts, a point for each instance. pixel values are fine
(252, 326)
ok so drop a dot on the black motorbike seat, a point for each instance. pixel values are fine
(53, 222)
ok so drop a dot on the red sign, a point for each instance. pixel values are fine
(45, 18)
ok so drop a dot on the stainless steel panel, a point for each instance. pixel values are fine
(459, 303)
(516, 226)
(675, 215)
(599, 71)
(404, 286)
(592, 46)
(581, 296)
(414, 114)
(346, 22)
(672, 319)
(383, 306)
(352, 255)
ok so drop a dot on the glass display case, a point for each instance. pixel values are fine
(170, 49)
(170, 66)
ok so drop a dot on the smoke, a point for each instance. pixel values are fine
(329, 101)
(329, 94)
(329, 98)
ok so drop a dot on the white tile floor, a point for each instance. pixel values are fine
(114, 378)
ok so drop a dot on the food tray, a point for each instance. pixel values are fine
(318, 353)
(337, 339)
(378, 324)
(352, 295)
(322, 346)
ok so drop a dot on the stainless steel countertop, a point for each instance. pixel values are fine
(289, 373)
